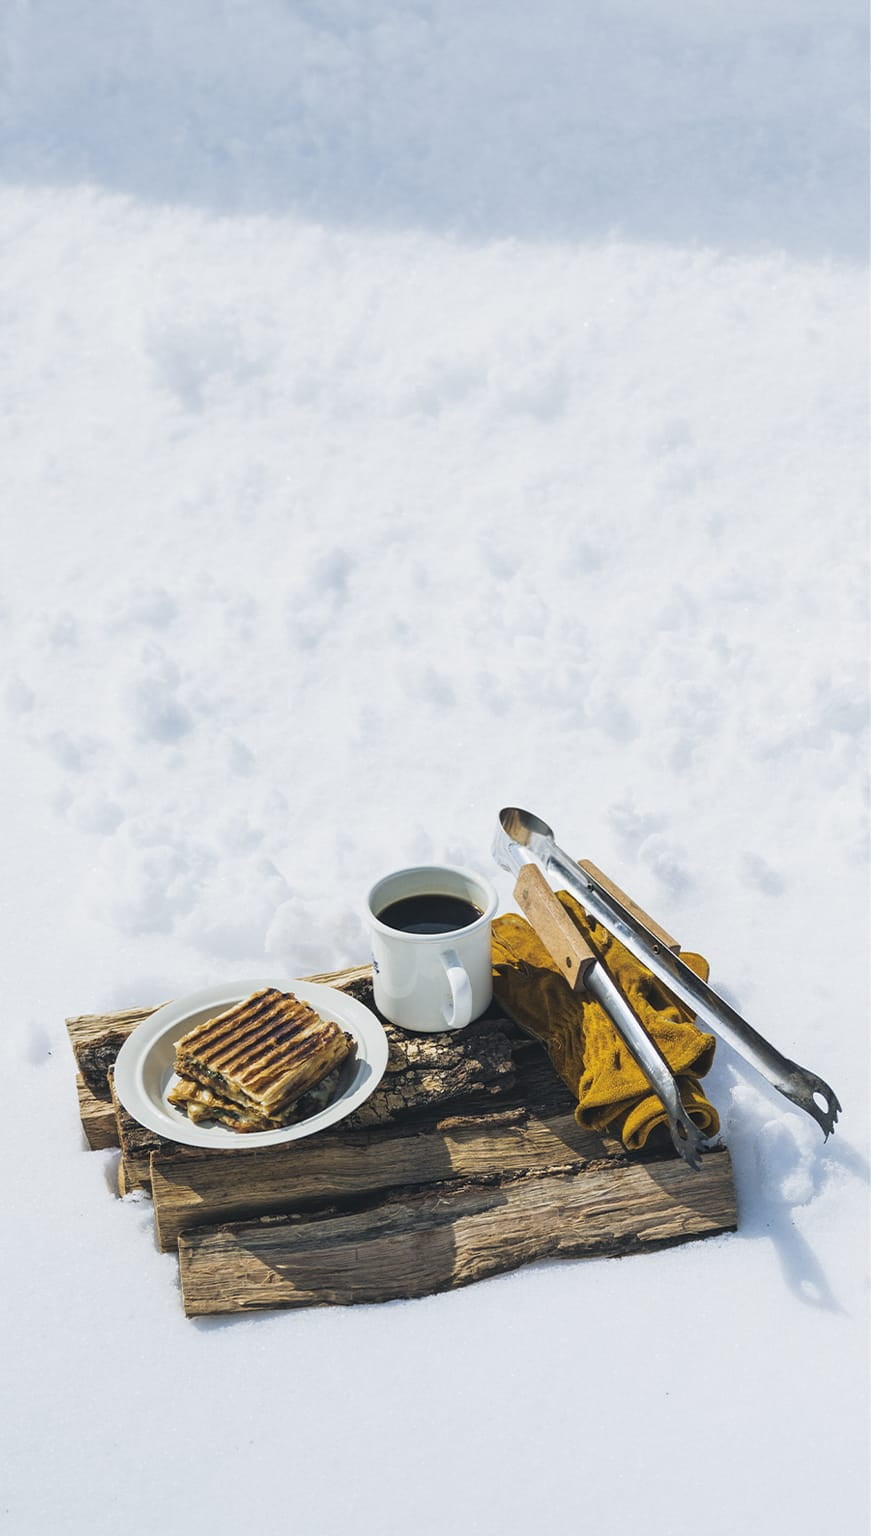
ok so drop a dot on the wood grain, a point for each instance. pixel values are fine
(659, 934)
(545, 913)
(447, 1235)
(97, 1116)
(348, 1165)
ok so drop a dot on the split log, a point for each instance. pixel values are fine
(451, 1234)
(137, 1145)
(96, 1039)
(347, 1166)
(97, 1117)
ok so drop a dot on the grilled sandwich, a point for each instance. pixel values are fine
(257, 1059)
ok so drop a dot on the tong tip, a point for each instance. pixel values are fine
(688, 1140)
(817, 1099)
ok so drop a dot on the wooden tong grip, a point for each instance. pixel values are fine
(657, 932)
(554, 927)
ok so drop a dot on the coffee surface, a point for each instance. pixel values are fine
(430, 913)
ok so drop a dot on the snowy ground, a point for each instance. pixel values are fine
(409, 410)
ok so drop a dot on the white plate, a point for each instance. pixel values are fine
(145, 1066)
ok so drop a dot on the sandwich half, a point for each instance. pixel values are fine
(203, 1104)
(258, 1058)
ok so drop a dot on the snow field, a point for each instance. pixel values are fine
(357, 481)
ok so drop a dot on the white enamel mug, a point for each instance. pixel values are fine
(426, 982)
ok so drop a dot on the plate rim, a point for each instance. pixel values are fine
(363, 1022)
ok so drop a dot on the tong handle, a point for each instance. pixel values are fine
(545, 912)
(653, 928)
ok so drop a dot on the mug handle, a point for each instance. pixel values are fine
(461, 991)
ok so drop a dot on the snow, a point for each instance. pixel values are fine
(406, 411)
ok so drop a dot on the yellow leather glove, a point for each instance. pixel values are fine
(584, 1046)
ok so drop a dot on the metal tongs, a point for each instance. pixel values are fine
(585, 972)
(524, 840)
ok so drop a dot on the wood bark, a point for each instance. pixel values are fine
(427, 1070)
(96, 1039)
(414, 1243)
(137, 1145)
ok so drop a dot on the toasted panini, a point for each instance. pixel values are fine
(262, 1054)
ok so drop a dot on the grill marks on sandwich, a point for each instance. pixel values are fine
(262, 1055)
(282, 1037)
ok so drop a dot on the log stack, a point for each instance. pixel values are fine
(466, 1162)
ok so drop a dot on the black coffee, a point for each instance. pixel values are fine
(430, 913)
